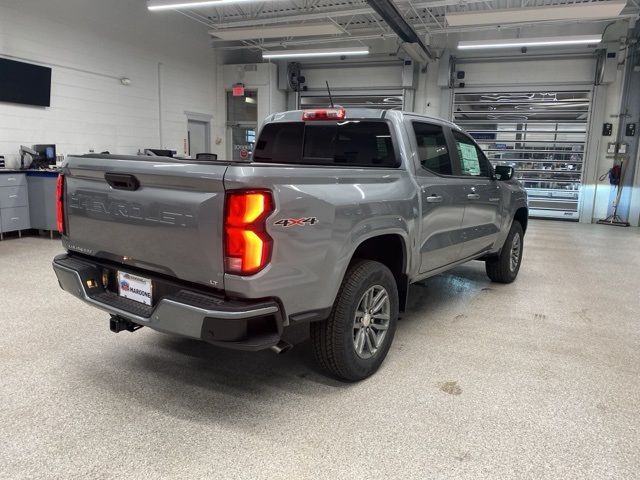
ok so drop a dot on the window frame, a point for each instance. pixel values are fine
(394, 142)
(252, 91)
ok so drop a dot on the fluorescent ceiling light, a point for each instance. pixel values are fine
(575, 11)
(530, 42)
(278, 31)
(174, 5)
(319, 52)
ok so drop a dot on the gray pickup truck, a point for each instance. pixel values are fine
(318, 235)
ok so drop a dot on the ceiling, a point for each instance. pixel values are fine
(125, 21)
(355, 22)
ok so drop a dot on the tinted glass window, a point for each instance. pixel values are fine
(432, 148)
(472, 160)
(280, 143)
(350, 143)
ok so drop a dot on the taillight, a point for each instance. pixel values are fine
(247, 245)
(324, 114)
(60, 204)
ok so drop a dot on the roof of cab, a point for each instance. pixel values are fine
(359, 113)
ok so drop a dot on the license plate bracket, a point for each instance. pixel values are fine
(135, 287)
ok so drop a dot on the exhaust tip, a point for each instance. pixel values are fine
(281, 347)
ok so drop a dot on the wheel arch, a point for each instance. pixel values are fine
(384, 248)
(522, 216)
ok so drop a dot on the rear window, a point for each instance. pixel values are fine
(351, 143)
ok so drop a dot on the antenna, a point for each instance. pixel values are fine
(329, 91)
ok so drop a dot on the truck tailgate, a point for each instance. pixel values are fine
(165, 217)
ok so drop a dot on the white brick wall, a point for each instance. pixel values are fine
(90, 109)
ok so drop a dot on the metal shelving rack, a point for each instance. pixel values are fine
(541, 134)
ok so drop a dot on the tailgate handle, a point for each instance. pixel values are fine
(122, 181)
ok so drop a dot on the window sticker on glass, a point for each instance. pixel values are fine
(469, 157)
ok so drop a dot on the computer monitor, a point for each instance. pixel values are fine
(47, 153)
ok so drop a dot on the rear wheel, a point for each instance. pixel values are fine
(505, 267)
(354, 340)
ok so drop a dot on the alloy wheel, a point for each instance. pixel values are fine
(371, 321)
(514, 258)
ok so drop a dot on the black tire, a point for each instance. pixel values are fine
(501, 269)
(333, 340)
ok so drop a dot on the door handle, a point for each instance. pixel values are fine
(473, 196)
(434, 199)
(122, 181)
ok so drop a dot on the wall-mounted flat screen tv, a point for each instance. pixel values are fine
(24, 83)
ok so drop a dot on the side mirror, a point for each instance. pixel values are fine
(503, 172)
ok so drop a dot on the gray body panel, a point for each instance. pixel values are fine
(173, 223)
(351, 205)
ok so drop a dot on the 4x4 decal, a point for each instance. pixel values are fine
(292, 222)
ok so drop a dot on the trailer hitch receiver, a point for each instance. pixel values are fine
(118, 324)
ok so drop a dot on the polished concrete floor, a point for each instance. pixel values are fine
(538, 379)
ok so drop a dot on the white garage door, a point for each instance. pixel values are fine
(372, 85)
(541, 133)
(389, 101)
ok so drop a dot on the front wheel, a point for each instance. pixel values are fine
(505, 267)
(354, 340)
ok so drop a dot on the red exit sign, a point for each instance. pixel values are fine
(238, 90)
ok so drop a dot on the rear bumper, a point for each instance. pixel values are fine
(180, 310)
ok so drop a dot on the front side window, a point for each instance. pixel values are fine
(472, 161)
(432, 148)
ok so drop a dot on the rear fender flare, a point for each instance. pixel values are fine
(346, 256)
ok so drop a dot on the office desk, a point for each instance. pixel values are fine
(27, 200)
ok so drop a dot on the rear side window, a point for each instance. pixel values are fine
(351, 143)
(432, 148)
(472, 160)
